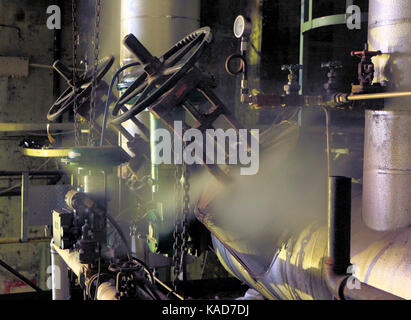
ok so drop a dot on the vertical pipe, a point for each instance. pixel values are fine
(387, 169)
(301, 71)
(24, 208)
(57, 56)
(389, 25)
(60, 284)
(158, 24)
(339, 222)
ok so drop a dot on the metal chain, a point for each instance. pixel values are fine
(93, 97)
(176, 233)
(75, 35)
(181, 221)
(186, 212)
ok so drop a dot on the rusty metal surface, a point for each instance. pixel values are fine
(381, 259)
(389, 27)
(387, 170)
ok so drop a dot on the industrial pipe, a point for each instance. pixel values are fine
(339, 245)
(389, 25)
(385, 95)
(158, 25)
(339, 223)
(59, 276)
(387, 169)
(108, 289)
(297, 270)
(337, 283)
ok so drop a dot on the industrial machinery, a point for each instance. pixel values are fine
(338, 230)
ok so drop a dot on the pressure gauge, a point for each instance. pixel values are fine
(242, 27)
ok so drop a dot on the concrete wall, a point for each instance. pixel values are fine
(24, 100)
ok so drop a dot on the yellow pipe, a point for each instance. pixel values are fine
(379, 96)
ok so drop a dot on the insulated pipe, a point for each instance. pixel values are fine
(59, 276)
(339, 244)
(158, 24)
(389, 25)
(387, 169)
(105, 291)
(298, 272)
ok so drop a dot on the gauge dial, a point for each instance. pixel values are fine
(239, 26)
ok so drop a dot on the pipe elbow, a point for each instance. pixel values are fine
(335, 282)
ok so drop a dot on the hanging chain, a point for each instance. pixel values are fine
(186, 212)
(75, 35)
(93, 98)
(181, 220)
(176, 233)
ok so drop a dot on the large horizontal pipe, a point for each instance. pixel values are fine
(338, 285)
(297, 270)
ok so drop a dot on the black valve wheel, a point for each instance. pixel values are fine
(160, 74)
(83, 86)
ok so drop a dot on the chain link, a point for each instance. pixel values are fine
(75, 35)
(186, 212)
(176, 233)
(181, 220)
(93, 98)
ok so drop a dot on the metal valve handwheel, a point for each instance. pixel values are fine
(83, 86)
(161, 74)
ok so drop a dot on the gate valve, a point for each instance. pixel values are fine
(366, 66)
(292, 87)
(334, 82)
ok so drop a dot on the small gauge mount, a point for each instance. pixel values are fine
(242, 27)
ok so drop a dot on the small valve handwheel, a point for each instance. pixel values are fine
(83, 86)
(161, 74)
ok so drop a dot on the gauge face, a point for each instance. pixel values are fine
(239, 26)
